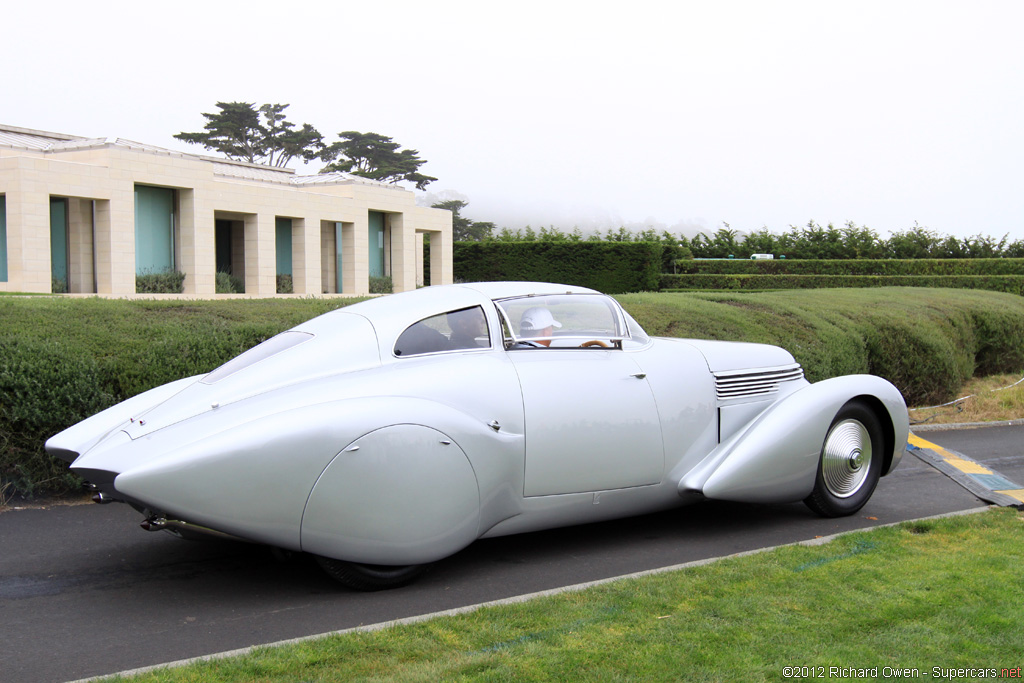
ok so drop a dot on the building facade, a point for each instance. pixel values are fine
(86, 215)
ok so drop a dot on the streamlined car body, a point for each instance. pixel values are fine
(394, 432)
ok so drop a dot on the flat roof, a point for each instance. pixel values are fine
(47, 142)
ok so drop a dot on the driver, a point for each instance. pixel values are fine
(538, 322)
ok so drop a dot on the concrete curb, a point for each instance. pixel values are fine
(964, 425)
(822, 540)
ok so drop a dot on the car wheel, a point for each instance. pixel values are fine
(371, 577)
(850, 462)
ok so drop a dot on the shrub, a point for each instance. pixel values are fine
(381, 284)
(62, 360)
(44, 387)
(226, 283)
(284, 284)
(166, 282)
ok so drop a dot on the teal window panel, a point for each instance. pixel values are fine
(3, 238)
(376, 244)
(59, 239)
(154, 229)
(284, 246)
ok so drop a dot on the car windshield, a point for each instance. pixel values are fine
(562, 321)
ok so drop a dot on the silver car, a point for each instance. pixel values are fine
(392, 433)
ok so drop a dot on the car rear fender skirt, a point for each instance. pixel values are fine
(774, 458)
(78, 439)
(404, 494)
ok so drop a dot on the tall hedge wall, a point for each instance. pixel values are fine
(611, 267)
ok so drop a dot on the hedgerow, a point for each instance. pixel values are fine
(611, 267)
(1011, 284)
(927, 342)
(914, 267)
(62, 360)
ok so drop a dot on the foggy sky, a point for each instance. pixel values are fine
(593, 114)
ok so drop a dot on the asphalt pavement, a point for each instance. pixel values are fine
(84, 591)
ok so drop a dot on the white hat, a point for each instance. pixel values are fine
(537, 318)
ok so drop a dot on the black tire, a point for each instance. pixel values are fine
(850, 462)
(371, 577)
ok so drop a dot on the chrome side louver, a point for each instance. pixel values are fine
(751, 383)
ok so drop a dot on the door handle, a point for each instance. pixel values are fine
(639, 375)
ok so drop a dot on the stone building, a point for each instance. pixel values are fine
(89, 214)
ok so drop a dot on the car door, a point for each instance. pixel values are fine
(591, 421)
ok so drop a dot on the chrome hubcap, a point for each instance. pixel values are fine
(846, 458)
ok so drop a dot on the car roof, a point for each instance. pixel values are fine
(391, 315)
(504, 290)
(440, 298)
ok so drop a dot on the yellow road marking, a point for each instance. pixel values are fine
(915, 440)
(1014, 493)
(965, 466)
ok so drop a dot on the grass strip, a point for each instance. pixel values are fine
(996, 398)
(941, 593)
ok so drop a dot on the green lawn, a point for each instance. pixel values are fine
(941, 593)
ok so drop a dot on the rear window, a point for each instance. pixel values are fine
(271, 347)
(464, 329)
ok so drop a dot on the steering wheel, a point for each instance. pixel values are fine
(595, 342)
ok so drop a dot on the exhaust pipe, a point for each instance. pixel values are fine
(158, 523)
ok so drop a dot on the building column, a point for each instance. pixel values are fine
(28, 241)
(196, 245)
(420, 280)
(104, 247)
(355, 251)
(260, 254)
(441, 258)
(120, 239)
(306, 266)
(403, 254)
(80, 241)
(328, 257)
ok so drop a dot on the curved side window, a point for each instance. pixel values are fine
(637, 336)
(461, 330)
(271, 347)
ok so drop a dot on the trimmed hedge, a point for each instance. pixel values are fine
(1010, 284)
(610, 267)
(915, 267)
(927, 342)
(62, 360)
